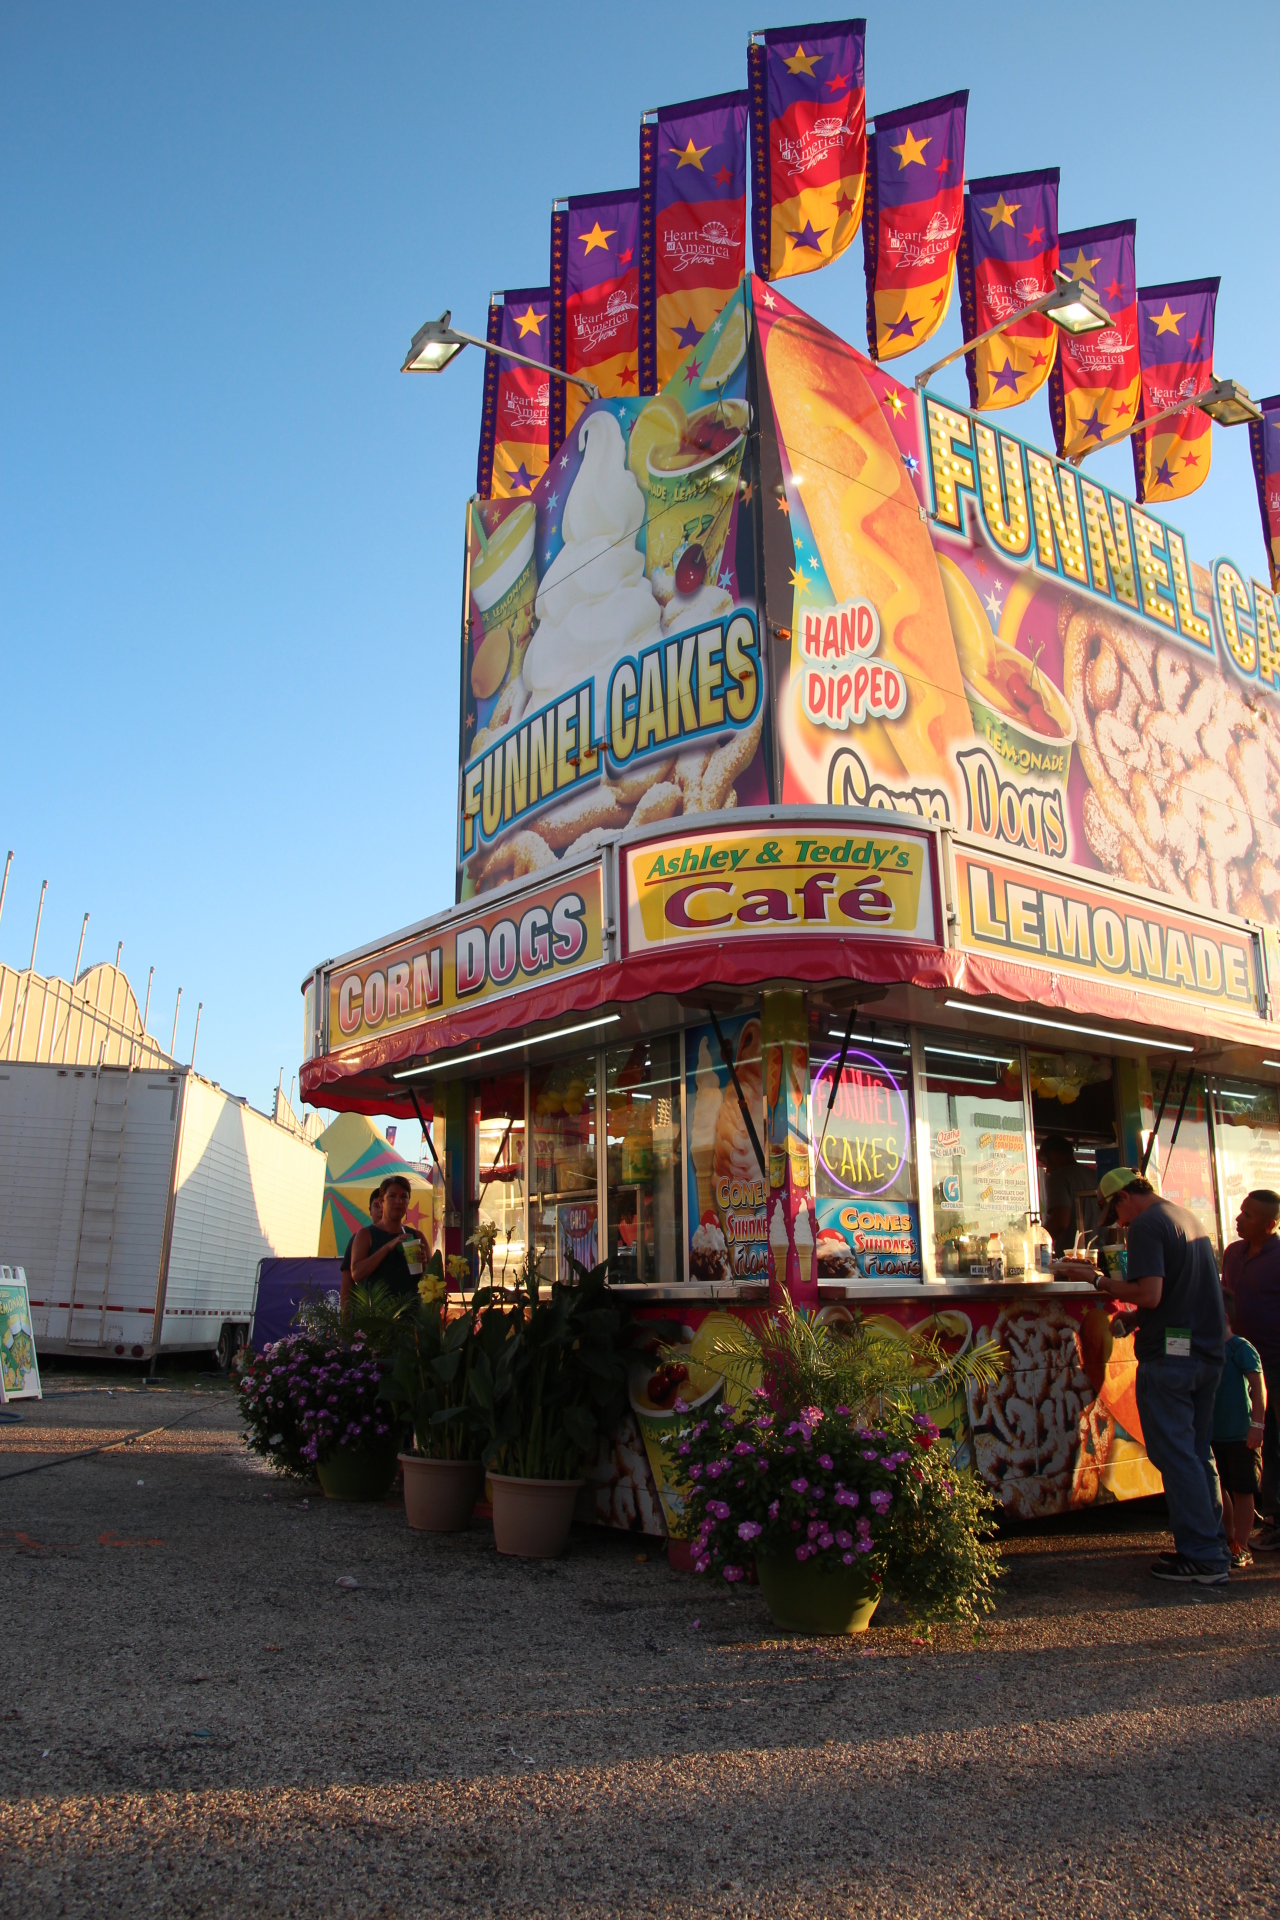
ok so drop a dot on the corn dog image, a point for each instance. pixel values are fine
(866, 521)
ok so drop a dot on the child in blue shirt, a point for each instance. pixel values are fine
(1237, 1440)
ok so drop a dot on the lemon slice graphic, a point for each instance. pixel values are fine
(661, 424)
(729, 349)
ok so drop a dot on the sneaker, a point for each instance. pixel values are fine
(1240, 1559)
(1266, 1540)
(1196, 1572)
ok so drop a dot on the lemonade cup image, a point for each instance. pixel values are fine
(659, 1422)
(692, 487)
(1015, 707)
(504, 586)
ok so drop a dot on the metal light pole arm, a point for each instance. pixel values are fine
(1037, 306)
(523, 360)
(1152, 420)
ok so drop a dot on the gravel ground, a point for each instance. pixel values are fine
(199, 1721)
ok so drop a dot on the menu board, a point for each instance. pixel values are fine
(860, 1122)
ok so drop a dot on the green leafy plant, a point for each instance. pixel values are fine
(433, 1357)
(555, 1379)
(373, 1314)
(835, 1458)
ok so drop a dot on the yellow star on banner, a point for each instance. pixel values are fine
(1001, 214)
(691, 156)
(598, 237)
(912, 150)
(530, 322)
(802, 62)
(1167, 322)
(799, 579)
(1081, 268)
(894, 403)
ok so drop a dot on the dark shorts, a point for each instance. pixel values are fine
(1239, 1467)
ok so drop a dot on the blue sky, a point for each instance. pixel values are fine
(230, 532)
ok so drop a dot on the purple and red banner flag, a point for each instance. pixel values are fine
(693, 226)
(808, 145)
(1096, 380)
(1264, 443)
(1175, 338)
(514, 421)
(1008, 252)
(911, 225)
(595, 300)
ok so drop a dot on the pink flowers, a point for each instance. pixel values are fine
(881, 1499)
(773, 1509)
(750, 1530)
(733, 1573)
(719, 1508)
(846, 1497)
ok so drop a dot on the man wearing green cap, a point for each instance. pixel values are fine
(1180, 1341)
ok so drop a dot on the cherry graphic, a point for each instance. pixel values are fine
(691, 570)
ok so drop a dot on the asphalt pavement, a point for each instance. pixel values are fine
(203, 1716)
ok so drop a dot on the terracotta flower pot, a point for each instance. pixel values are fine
(440, 1495)
(805, 1597)
(358, 1473)
(532, 1518)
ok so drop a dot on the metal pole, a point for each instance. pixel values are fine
(146, 1010)
(4, 884)
(119, 951)
(44, 888)
(84, 928)
(539, 366)
(174, 1041)
(75, 975)
(196, 1035)
(1152, 420)
(31, 967)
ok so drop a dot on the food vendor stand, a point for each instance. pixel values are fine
(865, 839)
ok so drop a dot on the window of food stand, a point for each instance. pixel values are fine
(497, 1163)
(1184, 1164)
(976, 1120)
(860, 1122)
(1073, 1114)
(1247, 1135)
(644, 1160)
(563, 1197)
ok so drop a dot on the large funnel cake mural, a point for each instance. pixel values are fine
(613, 671)
(925, 613)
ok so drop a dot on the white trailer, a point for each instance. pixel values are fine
(140, 1203)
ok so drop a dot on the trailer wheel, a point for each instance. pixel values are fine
(228, 1346)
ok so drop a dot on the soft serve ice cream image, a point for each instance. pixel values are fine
(594, 603)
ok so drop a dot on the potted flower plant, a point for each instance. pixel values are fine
(429, 1386)
(543, 1394)
(834, 1479)
(312, 1405)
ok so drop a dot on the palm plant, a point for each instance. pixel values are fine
(555, 1379)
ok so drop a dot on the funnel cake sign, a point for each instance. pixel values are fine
(811, 881)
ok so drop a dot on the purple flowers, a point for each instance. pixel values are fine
(826, 1462)
(881, 1499)
(845, 1497)
(733, 1573)
(800, 1486)
(750, 1530)
(719, 1508)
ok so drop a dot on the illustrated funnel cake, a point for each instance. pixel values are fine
(594, 607)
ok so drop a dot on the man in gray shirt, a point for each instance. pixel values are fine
(1180, 1340)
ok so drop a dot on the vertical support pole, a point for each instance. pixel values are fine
(174, 1041)
(784, 1051)
(196, 1036)
(455, 1163)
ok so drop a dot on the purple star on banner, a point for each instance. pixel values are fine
(687, 335)
(520, 477)
(904, 327)
(1093, 425)
(910, 462)
(807, 237)
(1005, 377)
(1163, 476)
(691, 372)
